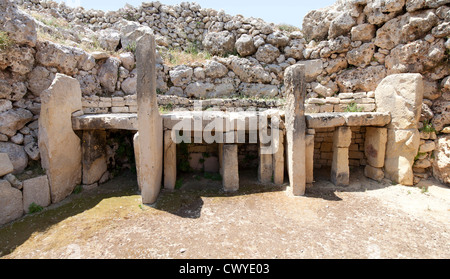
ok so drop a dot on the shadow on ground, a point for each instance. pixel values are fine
(185, 202)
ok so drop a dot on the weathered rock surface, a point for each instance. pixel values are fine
(107, 74)
(245, 45)
(401, 95)
(408, 27)
(13, 120)
(60, 147)
(441, 164)
(6, 166)
(11, 206)
(356, 80)
(17, 155)
(36, 190)
(219, 43)
(400, 153)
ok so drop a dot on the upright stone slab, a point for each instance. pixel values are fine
(94, 156)
(59, 146)
(309, 165)
(230, 167)
(150, 159)
(278, 159)
(401, 95)
(170, 161)
(375, 146)
(265, 168)
(294, 80)
(36, 190)
(340, 170)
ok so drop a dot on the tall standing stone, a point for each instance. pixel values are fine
(278, 158)
(309, 159)
(60, 147)
(401, 95)
(150, 136)
(294, 80)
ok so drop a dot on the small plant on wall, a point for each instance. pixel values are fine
(353, 107)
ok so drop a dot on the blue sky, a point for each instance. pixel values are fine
(276, 11)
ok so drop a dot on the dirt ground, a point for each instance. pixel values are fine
(365, 220)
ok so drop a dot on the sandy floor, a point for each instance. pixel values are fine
(365, 220)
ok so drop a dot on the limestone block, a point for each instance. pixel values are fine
(230, 168)
(60, 147)
(367, 119)
(11, 206)
(342, 137)
(295, 82)
(170, 161)
(401, 95)
(374, 173)
(94, 156)
(309, 139)
(401, 149)
(340, 171)
(6, 166)
(149, 161)
(375, 146)
(36, 190)
(278, 159)
(265, 169)
(441, 164)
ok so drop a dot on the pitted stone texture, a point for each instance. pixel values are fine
(401, 95)
(36, 190)
(60, 147)
(11, 206)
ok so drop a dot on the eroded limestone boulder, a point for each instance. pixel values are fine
(245, 45)
(441, 164)
(107, 74)
(401, 95)
(11, 206)
(17, 155)
(219, 43)
(408, 27)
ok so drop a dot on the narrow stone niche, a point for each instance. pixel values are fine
(120, 154)
(323, 148)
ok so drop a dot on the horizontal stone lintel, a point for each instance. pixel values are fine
(128, 121)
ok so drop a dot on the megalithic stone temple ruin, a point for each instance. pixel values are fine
(355, 88)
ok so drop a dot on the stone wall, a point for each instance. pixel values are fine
(323, 147)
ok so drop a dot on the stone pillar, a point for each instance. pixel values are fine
(340, 171)
(94, 156)
(230, 167)
(375, 151)
(278, 159)
(59, 146)
(220, 158)
(170, 161)
(294, 80)
(150, 136)
(265, 168)
(309, 160)
(401, 95)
